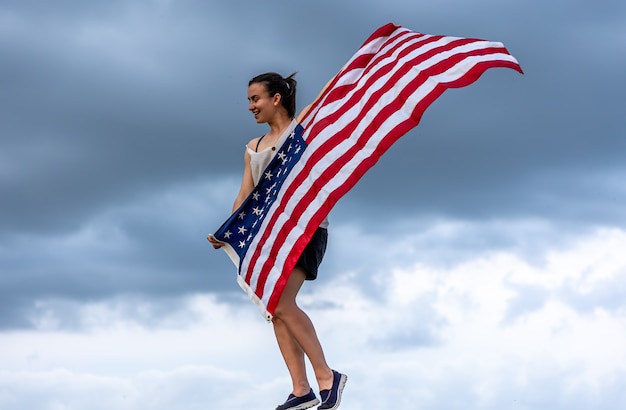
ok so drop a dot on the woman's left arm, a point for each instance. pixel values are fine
(308, 107)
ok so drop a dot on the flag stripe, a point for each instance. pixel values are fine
(290, 190)
(434, 49)
(379, 95)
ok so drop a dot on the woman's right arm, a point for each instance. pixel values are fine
(247, 184)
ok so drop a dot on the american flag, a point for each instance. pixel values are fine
(377, 96)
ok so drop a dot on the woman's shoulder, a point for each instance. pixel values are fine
(254, 143)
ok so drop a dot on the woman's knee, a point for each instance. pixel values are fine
(287, 307)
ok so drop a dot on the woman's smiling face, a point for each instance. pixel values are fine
(261, 104)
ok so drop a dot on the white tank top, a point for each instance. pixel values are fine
(260, 160)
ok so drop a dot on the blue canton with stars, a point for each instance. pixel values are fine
(244, 223)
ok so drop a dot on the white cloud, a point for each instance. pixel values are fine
(431, 331)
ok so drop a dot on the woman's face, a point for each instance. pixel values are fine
(262, 105)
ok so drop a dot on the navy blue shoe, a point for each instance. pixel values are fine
(332, 398)
(299, 402)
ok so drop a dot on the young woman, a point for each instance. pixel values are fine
(273, 101)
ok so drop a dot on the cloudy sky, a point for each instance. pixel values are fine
(476, 266)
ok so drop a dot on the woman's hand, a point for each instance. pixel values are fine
(216, 244)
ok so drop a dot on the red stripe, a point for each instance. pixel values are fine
(358, 62)
(328, 173)
(362, 62)
(380, 72)
(367, 62)
(366, 164)
(440, 67)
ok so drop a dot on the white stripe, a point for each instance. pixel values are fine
(372, 144)
(330, 157)
(358, 77)
(342, 147)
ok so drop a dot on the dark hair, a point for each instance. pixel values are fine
(276, 84)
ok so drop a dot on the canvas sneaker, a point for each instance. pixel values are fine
(331, 398)
(299, 402)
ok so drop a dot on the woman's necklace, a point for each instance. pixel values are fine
(279, 135)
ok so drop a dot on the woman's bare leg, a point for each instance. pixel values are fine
(296, 337)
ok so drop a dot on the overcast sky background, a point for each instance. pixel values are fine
(479, 265)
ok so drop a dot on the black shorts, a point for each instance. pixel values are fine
(313, 254)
